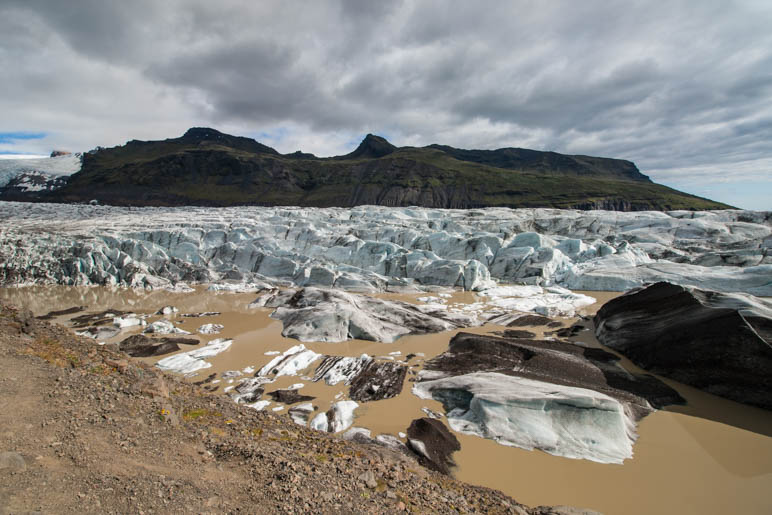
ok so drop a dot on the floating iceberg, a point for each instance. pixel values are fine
(338, 418)
(290, 362)
(314, 314)
(210, 328)
(192, 361)
(163, 326)
(561, 420)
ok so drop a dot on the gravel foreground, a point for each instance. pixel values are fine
(84, 429)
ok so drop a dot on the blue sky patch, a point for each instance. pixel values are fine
(10, 137)
(272, 136)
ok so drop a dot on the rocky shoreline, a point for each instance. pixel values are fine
(90, 430)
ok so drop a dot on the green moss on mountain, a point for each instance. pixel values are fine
(206, 167)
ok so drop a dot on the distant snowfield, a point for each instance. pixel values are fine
(372, 249)
(13, 165)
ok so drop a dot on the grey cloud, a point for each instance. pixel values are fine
(686, 85)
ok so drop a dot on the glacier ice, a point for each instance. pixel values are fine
(561, 420)
(372, 248)
(163, 326)
(552, 301)
(290, 362)
(338, 418)
(192, 361)
(210, 328)
(320, 315)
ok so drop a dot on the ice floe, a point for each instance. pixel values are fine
(338, 418)
(128, 321)
(313, 314)
(211, 329)
(291, 362)
(552, 301)
(300, 413)
(337, 369)
(561, 420)
(192, 361)
(164, 326)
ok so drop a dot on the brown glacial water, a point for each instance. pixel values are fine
(712, 456)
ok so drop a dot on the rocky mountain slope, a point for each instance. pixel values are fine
(90, 431)
(207, 167)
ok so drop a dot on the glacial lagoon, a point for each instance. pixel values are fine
(710, 456)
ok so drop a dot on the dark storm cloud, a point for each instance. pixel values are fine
(674, 86)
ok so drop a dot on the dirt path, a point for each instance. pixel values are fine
(84, 430)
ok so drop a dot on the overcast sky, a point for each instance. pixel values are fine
(683, 89)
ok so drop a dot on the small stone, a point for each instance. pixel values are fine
(112, 346)
(368, 478)
(13, 461)
(119, 364)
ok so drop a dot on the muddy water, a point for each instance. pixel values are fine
(711, 456)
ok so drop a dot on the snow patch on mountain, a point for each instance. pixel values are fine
(48, 166)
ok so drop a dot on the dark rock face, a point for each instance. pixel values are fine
(289, 396)
(377, 381)
(141, 346)
(719, 343)
(433, 443)
(371, 147)
(553, 362)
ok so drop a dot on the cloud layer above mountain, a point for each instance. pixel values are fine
(681, 88)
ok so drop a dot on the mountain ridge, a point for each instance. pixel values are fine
(207, 167)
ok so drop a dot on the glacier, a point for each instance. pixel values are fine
(375, 249)
(45, 167)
